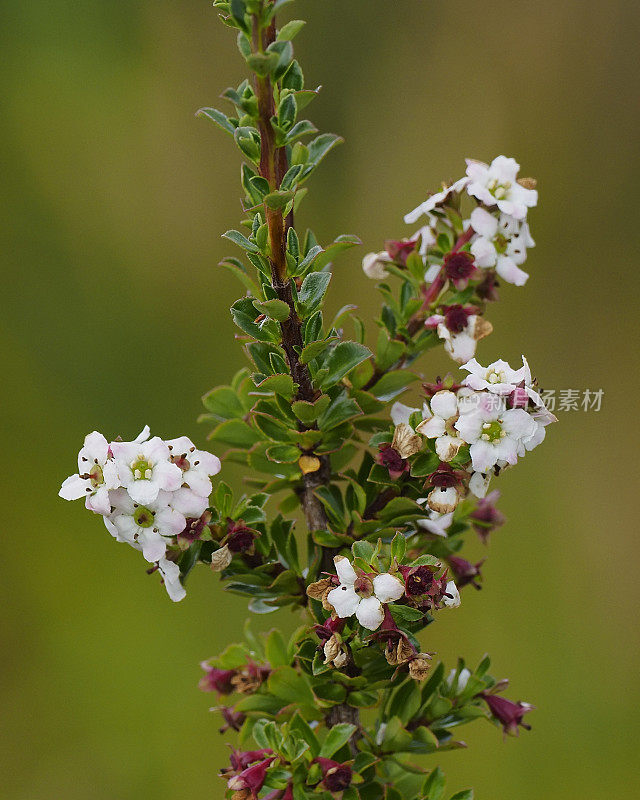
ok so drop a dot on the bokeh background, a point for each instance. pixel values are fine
(114, 314)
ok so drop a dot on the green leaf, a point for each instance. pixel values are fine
(235, 433)
(426, 561)
(290, 686)
(279, 384)
(283, 453)
(238, 238)
(275, 309)
(344, 242)
(344, 357)
(433, 788)
(290, 30)
(424, 464)
(398, 547)
(220, 119)
(244, 315)
(224, 402)
(237, 268)
(309, 412)
(337, 737)
(278, 199)
(393, 384)
(340, 410)
(313, 289)
(467, 794)
(276, 650)
(300, 129)
(326, 539)
(405, 613)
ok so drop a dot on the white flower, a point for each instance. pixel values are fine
(435, 523)
(362, 596)
(96, 475)
(453, 601)
(498, 377)
(497, 184)
(427, 238)
(501, 244)
(461, 345)
(197, 465)
(171, 577)
(145, 468)
(435, 200)
(145, 527)
(373, 265)
(440, 425)
(495, 434)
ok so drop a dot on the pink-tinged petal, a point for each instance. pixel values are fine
(182, 444)
(143, 435)
(387, 588)
(143, 492)
(431, 428)
(169, 522)
(169, 476)
(153, 545)
(483, 455)
(155, 450)
(187, 502)
(171, 575)
(345, 571)
(125, 451)
(444, 404)
(434, 321)
(206, 462)
(344, 600)
(74, 487)
(370, 613)
(469, 426)
(518, 423)
(198, 482)
(505, 169)
(95, 447)
(110, 475)
(484, 223)
(99, 502)
(483, 252)
(506, 449)
(509, 271)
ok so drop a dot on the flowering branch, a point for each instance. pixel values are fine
(390, 492)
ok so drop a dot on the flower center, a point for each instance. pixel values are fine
(497, 189)
(493, 376)
(95, 476)
(142, 469)
(492, 431)
(143, 517)
(363, 587)
(501, 243)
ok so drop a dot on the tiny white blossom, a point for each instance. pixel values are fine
(497, 184)
(96, 475)
(453, 601)
(439, 425)
(197, 465)
(458, 685)
(501, 243)
(498, 377)
(495, 434)
(145, 468)
(171, 576)
(435, 200)
(362, 596)
(145, 527)
(373, 265)
(461, 345)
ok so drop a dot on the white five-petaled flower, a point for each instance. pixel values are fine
(171, 577)
(497, 378)
(435, 200)
(497, 184)
(496, 434)
(145, 468)
(96, 475)
(501, 243)
(440, 425)
(145, 527)
(362, 595)
(197, 465)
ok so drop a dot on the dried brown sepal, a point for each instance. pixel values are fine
(400, 653)
(405, 442)
(221, 559)
(419, 667)
(482, 328)
(319, 591)
(528, 183)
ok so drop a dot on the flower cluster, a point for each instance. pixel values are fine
(466, 254)
(146, 490)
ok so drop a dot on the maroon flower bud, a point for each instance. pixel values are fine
(331, 626)
(459, 267)
(232, 719)
(240, 537)
(465, 572)
(336, 777)
(216, 680)
(445, 476)
(399, 250)
(418, 580)
(486, 517)
(241, 759)
(508, 713)
(252, 778)
(393, 461)
(487, 288)
(457, 316)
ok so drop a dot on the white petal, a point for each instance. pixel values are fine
(167, 475)
(483, 455)
(447, 447)
(479, 483)
(369, 613)
(454, 600)
(484, 223)
(444, 404)
(187, 502)
(95, 447)
(171, 574)
(387, 588)
(432, 427)
(143, 435)
(143, 492)
(153, 545)
(345, 571)
(74, 487)
(401, 413)
(99, 501)
(206, 462)
(344, 600)
(483, 252)
(510, 271)
(198, 481)
(432, 273)
(182, 444)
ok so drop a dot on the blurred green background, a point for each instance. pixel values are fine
(114, 314)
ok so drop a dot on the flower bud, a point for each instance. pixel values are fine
(336, 777)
